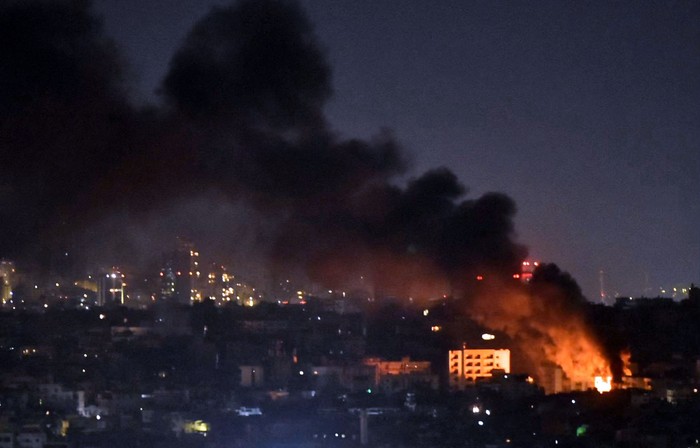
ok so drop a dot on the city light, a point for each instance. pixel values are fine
(537, 132)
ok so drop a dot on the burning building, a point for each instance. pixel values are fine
(554, 380)
(545, 319)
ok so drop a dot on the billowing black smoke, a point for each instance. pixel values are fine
(243, 118)
(63, 115)
(255, 64)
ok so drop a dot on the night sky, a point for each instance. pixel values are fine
(585, 113)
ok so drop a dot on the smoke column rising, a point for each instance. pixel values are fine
(242, 124)
(243, 118)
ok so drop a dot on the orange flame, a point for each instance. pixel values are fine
(626, 356)
(573, 349)
(603, 385)
(549, 332)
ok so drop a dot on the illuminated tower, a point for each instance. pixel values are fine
(180, 273)
(111, 288)
(526, 270)
(7, 273)
(217, 285)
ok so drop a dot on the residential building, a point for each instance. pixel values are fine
(467, 365)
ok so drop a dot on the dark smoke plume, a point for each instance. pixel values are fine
(243, 118)
(256, 63)
(64, 120)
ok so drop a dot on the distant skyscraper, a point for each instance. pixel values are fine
(7, 274)
(111, 288)
(180, 273)
(527, 268)
(218, 284)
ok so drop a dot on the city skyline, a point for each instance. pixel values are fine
(349, 223)
(581, 113)
(583, 116)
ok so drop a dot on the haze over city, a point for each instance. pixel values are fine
(305, 224)
(584, 114)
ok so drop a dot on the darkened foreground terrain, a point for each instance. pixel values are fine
(314, 374)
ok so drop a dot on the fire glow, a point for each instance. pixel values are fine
(626, 357)
(551, 334)
(603, 385)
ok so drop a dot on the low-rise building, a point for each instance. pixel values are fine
(7, 440)
(31, 438)
(393, 376)
(59, 397)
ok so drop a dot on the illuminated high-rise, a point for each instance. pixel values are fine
(180, 273)
(111, 288)
(527, 269)
(218, 284)
(7, 274)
